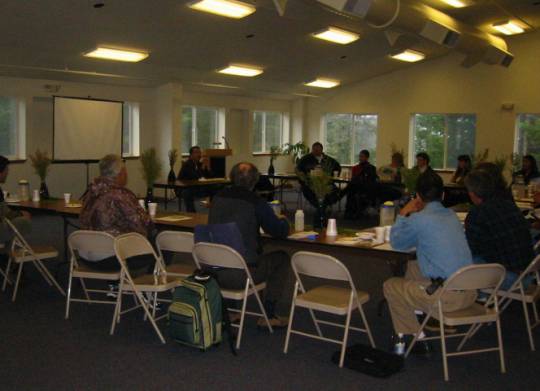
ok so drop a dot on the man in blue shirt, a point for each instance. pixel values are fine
(441, 247)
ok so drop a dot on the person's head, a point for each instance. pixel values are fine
(363, 156)
(481, 186)
(529, 164)
(245, 175)
(496, 173)
(317, 149)
(464, 162)
(195, 153)
(4, 169)
(112, 167)
(397, 160)
(429, 187)
(422, 159)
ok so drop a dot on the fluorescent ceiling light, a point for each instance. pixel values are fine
(241, 70)
(229, 8)
(323, 83)
(117, 54)
(456, 3)
(334, 34)
(508, 28)
(409, 56)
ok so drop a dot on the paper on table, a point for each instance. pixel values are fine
(462, 216)
(302, 234)
(174, 218)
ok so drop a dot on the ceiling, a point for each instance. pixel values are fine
(45, 39)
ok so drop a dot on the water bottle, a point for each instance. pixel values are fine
(387, 214)
(299, 220)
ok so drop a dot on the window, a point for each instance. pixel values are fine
(202, 126)
(347, 134)
(528, 135)
(269, 129)
(444, 137)
(130, 129)
(12, 128)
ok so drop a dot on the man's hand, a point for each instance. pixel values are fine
(413, 206)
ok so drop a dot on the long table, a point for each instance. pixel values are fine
(178, 186)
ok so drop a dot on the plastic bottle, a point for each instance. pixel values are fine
(387, 214)
(299, 220)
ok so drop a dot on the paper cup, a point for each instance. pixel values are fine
(67, 198)
(5, 193)
(35, 196)
(331, 228)
(141, 203)
(379, 234)
(387, 231)
(152, 209)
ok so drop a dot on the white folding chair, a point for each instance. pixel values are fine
(468, 278)
(21, 252)
(218, 255)
(177, 242)
(89, 242)
(131, 245)
(1, 271)
(330, 299)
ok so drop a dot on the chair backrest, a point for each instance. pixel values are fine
(219, 255)
(131, 245)
(227, 234)
(320, 266)
(175, 241)
(18, 239)
(534, 267)
(476, 277)
(91, 244)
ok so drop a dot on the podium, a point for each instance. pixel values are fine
(217, 160)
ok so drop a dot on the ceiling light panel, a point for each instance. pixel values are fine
(241, 70)
(508, 28)
(337, 35)
(323, 83)
(456, 3)
(229, 8)
(117, 54)
(409, 56)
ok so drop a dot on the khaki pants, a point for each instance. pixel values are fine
(405, 295)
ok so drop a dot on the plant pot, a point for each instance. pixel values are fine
(271, 169)
(319, 217)
(43, 191)
(172, 176)
(149, 196)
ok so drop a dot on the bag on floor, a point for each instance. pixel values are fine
(195, 314)
(373, 362)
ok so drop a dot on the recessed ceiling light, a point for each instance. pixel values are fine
(456, 3)
(229, 8)
(508, 28)
(334, 34)
(117, 54)
(241, 70)
(323, 83)
(409, 56)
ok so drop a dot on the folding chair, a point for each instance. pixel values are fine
(177, 242)
(21, 252)
(1, 271)
(218, 255)
(330, 299)
(131, 245)
(85, 242)
(468, 278)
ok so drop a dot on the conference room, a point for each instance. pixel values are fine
(271, 194)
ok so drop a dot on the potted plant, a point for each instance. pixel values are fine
(151, 170)
(41, 161)
(320, 182)
(173, 157)
(295, 150)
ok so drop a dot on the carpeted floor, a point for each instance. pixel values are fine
(41, 350)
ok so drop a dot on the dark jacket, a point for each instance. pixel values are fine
(364, 173)
(250, 213)
(527, 176)
(192, 170)
(309, 162)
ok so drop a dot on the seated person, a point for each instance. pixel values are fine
(110, 207)
(195, 168)
(392, 172)
(241, 205)
(422, 163)
(495, 228)
(362, 190)
(529, 169)
(441, 248)
(316, 159)
(458, 195)
(502, 188)
(463, 168)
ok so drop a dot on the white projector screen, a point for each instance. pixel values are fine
(86, 129)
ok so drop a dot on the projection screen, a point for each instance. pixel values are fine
(86, 129)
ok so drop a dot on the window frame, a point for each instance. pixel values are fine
(220, 125)
(283, 131)
(412, 131)
(133, 129)
(517, 131)
(20, 129)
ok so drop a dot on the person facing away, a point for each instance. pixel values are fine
(441, 249)
(495, 228)
(195, 168)
(462, 170)
(110, 207)
(239, 204)
(529, 169)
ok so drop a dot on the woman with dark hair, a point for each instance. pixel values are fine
(463, 168)
(529, 169)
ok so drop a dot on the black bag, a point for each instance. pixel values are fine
(373, 362)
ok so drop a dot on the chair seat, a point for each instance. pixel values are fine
(476, 313)
(180, 269)
(148, 283)
(332, 299)
(235, 294)
(83, 271)
(532, 294)
(41, 252)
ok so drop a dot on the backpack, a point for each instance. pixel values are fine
(195, 316)
(373, 362)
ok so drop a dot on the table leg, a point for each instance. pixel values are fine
(179, 195)
(166, 197)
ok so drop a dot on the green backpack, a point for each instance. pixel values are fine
(195, 314)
